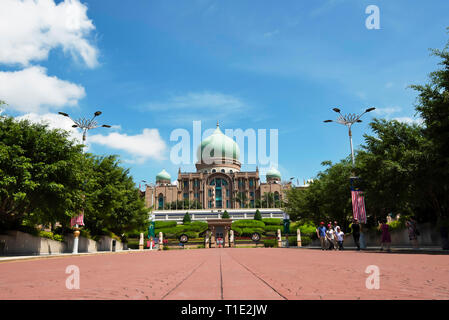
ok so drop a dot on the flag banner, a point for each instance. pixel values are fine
(79, 220)
(358, 206)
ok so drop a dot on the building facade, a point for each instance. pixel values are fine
(217, 183)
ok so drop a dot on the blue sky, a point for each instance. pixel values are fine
(155, 66)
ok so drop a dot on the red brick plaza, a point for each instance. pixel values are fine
(231, 273)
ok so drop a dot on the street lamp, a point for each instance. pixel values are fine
(85, 125)
(348, 120)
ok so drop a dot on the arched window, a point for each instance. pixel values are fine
(213, 170)
(230, 171)
(223, 170)
(161, 202)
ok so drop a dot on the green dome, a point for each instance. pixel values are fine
(219, 145)
(273, 173)
(163, 175)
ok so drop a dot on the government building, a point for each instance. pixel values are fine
(216, 186)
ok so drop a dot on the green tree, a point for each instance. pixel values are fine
(113, 203)
(225, 215)
(186, 218)
(392, 165)
(257, 215)
(41, 174)
(433, 107)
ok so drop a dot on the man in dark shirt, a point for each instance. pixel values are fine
(356, 229)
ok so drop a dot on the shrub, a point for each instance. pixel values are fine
(396, 225)
(225, 215)
(197, 226)
(165, 247)
(186, 218)
(164, 224)
(305, 240)
(270, 243)
(273, 228)
(257, 215)
(248, 224)
(247, 232)
(272, 221)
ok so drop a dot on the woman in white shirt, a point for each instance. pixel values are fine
(330, 235)
(340, 238)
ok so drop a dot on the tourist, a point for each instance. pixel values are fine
(321, 234)
(335, 232)
(330, 236)
(340, 236)
(386, 237)
(356, 229)
(413, 232)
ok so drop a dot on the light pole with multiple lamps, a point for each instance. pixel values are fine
(85, 125)
(348, 120)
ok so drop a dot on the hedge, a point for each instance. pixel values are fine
(270, 243)
(165, 224)
(272, 221)
(273, 228)
(248, 224)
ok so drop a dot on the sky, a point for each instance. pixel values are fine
(153, 67)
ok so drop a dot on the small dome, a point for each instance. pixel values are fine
(273, 173)
(163, 175)
(219, 145)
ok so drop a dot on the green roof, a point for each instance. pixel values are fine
(273, 173)
(163, 175)
(219, 145)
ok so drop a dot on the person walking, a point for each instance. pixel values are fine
(321, 234)
(335, 233)
(413, 232)
(356, 229)
(386, 237)
(330, 236)
(340, 236)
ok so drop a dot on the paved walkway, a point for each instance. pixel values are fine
(237, 273)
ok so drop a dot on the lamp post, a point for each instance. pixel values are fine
(348, 120)
(85, 125)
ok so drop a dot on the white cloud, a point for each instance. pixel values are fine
(54, 121)
(387, 111)
(32, 90)
(409, 120)
(30, 29)
(198, 105)
(203, 100)
(142, 146)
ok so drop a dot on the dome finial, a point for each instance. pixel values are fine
(218, 124)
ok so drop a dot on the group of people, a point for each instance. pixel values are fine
(412, 229)
(331, 237)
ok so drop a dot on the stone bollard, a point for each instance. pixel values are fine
(161, 239)
(231, 238)
(298, 237)
(279, 238)
(206, 239)
(141, 241)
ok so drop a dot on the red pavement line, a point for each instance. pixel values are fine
(174, 288)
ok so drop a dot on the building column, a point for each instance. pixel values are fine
(226, 237)
(212, 238)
